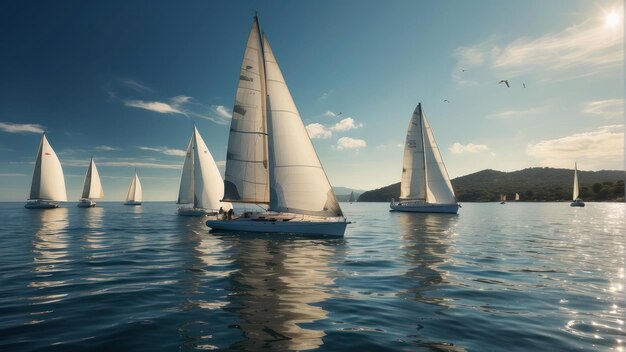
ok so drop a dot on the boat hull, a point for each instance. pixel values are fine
(182, 211)
(86, 203)
(130, 202)
(577, 203)
(41, 204)
(300, 227)
(423, 207)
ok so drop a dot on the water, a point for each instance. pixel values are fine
(514, 277)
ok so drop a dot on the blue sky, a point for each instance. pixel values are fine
(124, 81)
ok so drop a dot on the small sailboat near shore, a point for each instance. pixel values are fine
(502, 198)
(47, 189)
(352, 197)
(517, 197)
(135, 194)
(92, 187)
(576, 200)
(425, 185)
(200, 183)
(271, 160)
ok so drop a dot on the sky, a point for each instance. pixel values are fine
(123, 81)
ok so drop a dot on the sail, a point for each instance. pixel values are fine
(439, 189)
(246, 177)
(92, 187)
(48, 181)
(413, 183)
(575, 195)
(134, 191)
(352, 198)
(298, 183)
(516, 196)
(208, 186)
(185, 192)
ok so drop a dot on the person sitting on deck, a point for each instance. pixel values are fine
(230, 213)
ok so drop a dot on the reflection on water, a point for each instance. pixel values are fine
(280, 285)
(425, 238)
(50, 253)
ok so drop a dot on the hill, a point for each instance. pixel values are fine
(533, 184)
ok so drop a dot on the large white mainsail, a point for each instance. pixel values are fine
(413, 184)
(135, 194)
(48, 181)
(298, 183)
(92, 187)
(246, 176)
(575, 193)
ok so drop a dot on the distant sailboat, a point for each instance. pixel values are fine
(48, 185)
(134, 195)
(502, 198)
(200, 183)
(92, 187)
(271, 159)
(516, 197)
(352, 197)
(576, 200)
(425, 186)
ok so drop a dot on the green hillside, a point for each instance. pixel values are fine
(533, 184)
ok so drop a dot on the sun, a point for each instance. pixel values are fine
(612, 19)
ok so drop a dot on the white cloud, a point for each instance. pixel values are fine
(317, 130)
(10, 174)
(350, 143)
(140, 87)
(326, 94)
(329, 113)
(516, 113)
(155, 106)
(609, 108)
(223, 111)
(21, 127)
(579, 50)
(458, 148)
(180, 99)
(345, 125)
(107, 148)
(122, 162)
(601, 148)
(165, 150)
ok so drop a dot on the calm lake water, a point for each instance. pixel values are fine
(514, 277)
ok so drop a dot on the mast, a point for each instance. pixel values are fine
(421, 115)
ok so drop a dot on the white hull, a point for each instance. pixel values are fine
(41, 204)
(182, 211)
(132, 202)
(423, 207)
(278, 225)
(577, 203)
(86, 203)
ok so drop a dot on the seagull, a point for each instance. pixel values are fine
(505, 81)
(446, 101)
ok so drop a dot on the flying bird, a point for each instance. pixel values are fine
(446, 101)
(505, 82)
(462, 70)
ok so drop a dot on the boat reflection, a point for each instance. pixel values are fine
(426, 240)
(50, 252)
(279, 286)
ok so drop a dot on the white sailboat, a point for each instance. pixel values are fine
(516, 197)
(576, 200)
(48, 185)
(92, 187)
(502, 198)
(352, 197)
(271, 160)
(134, 195)
(425, 185)
(200, 183)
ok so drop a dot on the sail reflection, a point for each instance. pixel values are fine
(50, 249)
(280, 285)
(426, 240)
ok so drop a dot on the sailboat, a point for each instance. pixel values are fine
(48, 185)
(134, 195)
(92, 187)
(425, 185)
(352, 197)
(502, 198)
(516, 197)
(200, 183)
(271, 161)
(576, 200)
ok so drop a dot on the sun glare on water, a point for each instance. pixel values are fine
(612, 19)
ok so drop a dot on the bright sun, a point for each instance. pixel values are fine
(612, 19)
